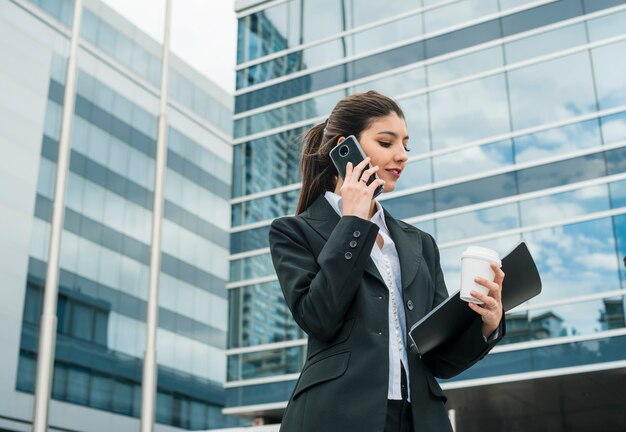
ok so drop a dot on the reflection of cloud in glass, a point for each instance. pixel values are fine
(551, 91)
(558, 140)
(575, 259)
(614, 128)
(564, 205)
(477, 223)
(609, 70)
(473, 160)
(457, 12)
(469, 111)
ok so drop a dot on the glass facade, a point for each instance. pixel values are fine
(531, 94)
(106, 240)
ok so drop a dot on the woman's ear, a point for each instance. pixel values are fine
(340, 140)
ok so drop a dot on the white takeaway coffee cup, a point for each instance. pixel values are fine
(476, 262)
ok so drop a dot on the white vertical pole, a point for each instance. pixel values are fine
(48, 322)
(452, 417)
(148, 385)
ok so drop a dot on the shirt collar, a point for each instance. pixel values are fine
(335, 202)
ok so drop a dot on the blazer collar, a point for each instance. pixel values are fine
(323, 219)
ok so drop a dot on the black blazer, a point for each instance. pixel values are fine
(338, 297)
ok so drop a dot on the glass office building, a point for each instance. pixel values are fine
(517, 115)
(105, 244)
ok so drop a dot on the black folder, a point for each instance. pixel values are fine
(450, 318)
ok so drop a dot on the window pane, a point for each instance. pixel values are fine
(610, 74)
(270, 322)
(249, 240)
(416, 173)
(562, 87)
(265, 363)
(252, 267)
(551, 142)
(575, 260)
(465, 65)
(100, 392)
(464, 162)
(122, 400)
(469, 111)
(78, 386)
(458, 12)
(545, 43)
(477, 223)
(557, 207)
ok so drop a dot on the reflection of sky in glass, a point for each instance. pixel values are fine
(465, 65)
(545, 43)
(620, 236)
(458, 12)
(477, 223)
(610, 73)
(614, 128)
(617, 192)
(558, 140)
(551, 91)
(473, 160)
(469, 111)
(564, 205)
(575, 260)
(386, 34)
(606, 26)
(417, 173)
(396, 84)
(416, 114)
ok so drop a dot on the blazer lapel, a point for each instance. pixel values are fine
(323, 218)
(409, 247)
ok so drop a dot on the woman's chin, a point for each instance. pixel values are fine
(390, 186)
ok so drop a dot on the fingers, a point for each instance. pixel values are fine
(488, 301)
(349, 170)
(498, 272)
(478, 309)
(372, 187)
(368, 173)
(357, 171)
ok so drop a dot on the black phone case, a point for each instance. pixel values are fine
(350, 151)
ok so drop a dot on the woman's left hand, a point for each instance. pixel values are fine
(491, 309)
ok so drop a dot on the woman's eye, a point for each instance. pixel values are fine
(384, 144)
(406, 149)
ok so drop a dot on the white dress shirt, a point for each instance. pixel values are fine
(388, 264)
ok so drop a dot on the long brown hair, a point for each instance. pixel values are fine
(351, 116)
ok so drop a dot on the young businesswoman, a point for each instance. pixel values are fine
(356, 279)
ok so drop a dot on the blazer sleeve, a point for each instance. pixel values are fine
(319, 290)
(454, 357)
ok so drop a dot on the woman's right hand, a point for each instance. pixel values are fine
(356, 194)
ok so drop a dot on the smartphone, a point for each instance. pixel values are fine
(350, 151)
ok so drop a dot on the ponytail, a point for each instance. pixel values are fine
(351, 116)
(316, 167)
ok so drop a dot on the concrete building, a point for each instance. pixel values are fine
(106, 239)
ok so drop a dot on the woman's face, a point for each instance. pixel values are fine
(386, 142)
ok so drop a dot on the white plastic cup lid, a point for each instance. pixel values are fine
(481, 253)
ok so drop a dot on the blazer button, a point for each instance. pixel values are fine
(356, 234)
(348, 255)
(353, 244)
(409, 304)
